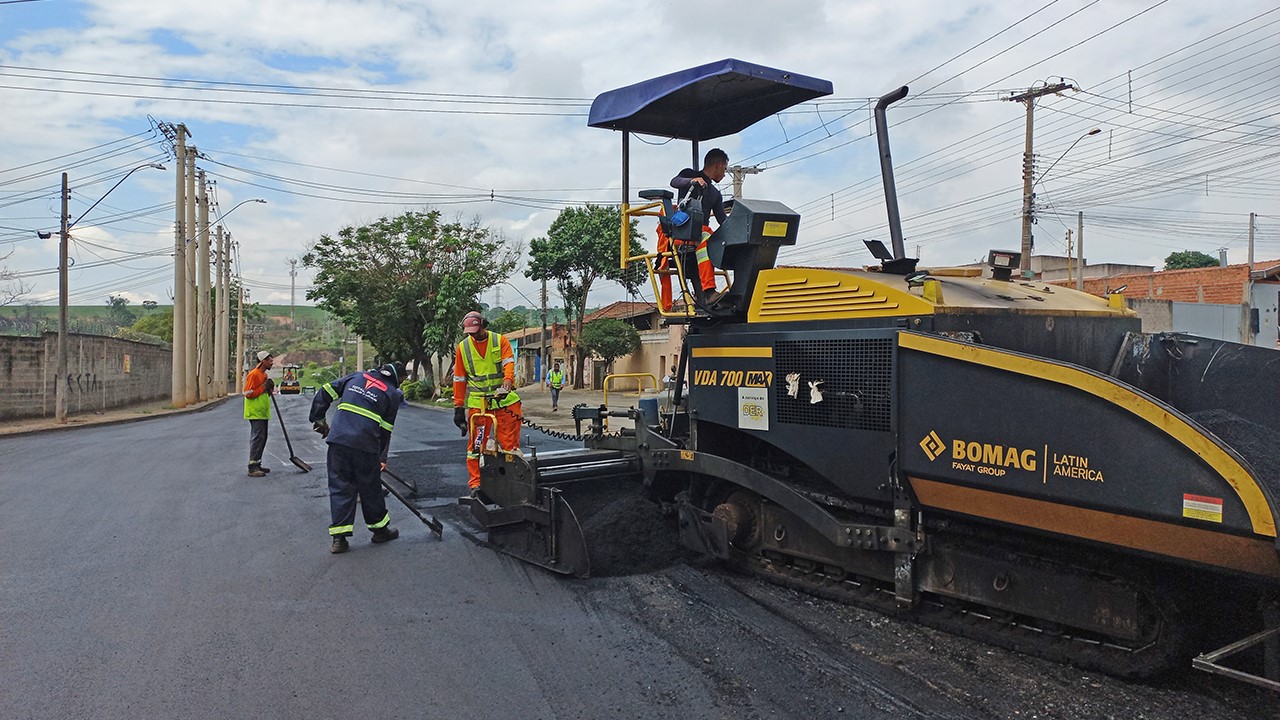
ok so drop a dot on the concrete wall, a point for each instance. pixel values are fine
(1156, 315)
(97, 374)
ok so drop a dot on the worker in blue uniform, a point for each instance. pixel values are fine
(358, 441)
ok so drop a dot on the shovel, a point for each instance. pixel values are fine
(292, 458)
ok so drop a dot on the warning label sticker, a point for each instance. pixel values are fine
(1199, 507)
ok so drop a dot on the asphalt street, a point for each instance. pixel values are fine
(144, 575)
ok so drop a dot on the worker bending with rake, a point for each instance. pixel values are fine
(484, 367)
(358, 441)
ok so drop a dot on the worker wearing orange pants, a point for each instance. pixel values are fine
(484, 369)
(706, 272)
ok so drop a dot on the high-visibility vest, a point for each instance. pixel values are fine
(484, 372)
(556, 378)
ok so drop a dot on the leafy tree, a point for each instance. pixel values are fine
(580, 248)
(159, 324)
(405, 282)
(118, 311)
(1187, 259)
(610, 339)
(149, 305)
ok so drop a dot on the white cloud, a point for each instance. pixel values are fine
(574, 50)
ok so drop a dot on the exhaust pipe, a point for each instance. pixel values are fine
(886, 170)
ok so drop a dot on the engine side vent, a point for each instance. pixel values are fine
(856, 378)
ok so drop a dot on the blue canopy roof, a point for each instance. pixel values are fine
(705, 102)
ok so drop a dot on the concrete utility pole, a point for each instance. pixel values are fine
(60, 382)
(359, 353)
(739, 173)
(220, 319)
(1028, 165)
(239, 333)
(204, 325)
(179, 357)
(1252, 224)
(189, 287)
(546, 351)
(1070, 277)
(1080, 251)
(293, 273)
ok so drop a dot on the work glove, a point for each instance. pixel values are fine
(460, 419)
(321, 427)
(269, 385)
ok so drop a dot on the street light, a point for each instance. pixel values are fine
(60, 384)
(1028, 200)
(1094, 131)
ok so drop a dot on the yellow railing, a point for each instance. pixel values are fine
(653, 261)
(639, 387)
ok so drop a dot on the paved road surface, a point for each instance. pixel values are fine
(143, 575)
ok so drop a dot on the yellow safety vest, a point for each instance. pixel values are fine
(556, 378)
(484, 372)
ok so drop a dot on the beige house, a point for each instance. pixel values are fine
(659, 344)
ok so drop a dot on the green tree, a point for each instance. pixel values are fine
(159, 324)
(1187, 259)
(580, 248)
(118, 311)
(404, 283)
(610, 339)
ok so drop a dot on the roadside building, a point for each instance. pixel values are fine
(659, 343)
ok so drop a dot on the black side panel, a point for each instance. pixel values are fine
(1090, 342)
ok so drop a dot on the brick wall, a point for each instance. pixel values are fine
(96, 374)
(1221, 285)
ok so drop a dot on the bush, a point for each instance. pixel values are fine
(412, 389)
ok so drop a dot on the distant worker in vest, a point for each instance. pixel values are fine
(257, 410)
(555, 381)
(702, 183)
(484, 365)
(358, 440)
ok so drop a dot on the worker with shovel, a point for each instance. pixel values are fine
(358, 442)
(257, 410)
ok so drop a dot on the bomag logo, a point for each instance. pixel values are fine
(753, 410)
(982, 458)
(932, 445)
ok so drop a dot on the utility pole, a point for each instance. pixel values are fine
(220, 320)
(1028, 165)
(179, 354)
(60, 382)
(1252, 218)
(204, 357)
(1069, 275)
(546, 351)
(188, 288)
(359, 353)
(293, 273)
(239, 333)
(739, 173)
(1080, 251)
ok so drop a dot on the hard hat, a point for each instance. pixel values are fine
(393, 371)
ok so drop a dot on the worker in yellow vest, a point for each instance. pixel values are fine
(555, 381)
(484, 364)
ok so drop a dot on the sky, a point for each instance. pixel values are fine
(339, 112)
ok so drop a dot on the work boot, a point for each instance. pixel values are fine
(256, 471)
(339, 545)
(264, 469)
(385, 534)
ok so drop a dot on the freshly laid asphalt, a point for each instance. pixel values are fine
(142, 574)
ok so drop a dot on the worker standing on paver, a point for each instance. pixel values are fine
(358, 440)
(257, 410)
(484, 364)
(555, 381)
